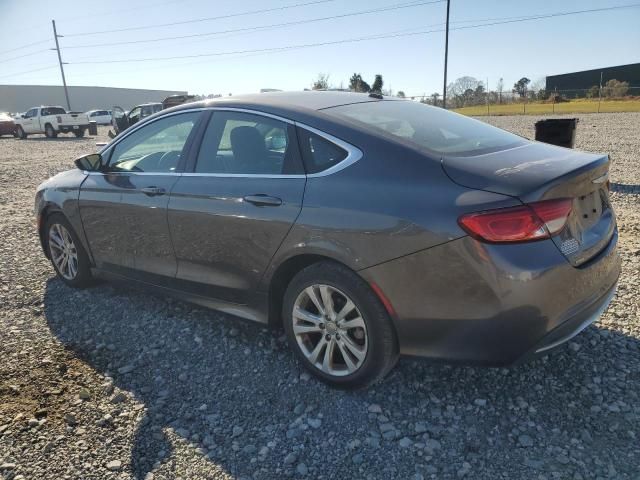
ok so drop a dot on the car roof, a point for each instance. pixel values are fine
(294, 101)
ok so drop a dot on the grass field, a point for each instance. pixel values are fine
(573, 106)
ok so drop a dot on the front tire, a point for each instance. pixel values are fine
(49, 132)
(338, 327)
(20, 133)
(67, 255)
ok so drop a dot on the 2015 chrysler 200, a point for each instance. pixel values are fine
(368, 227)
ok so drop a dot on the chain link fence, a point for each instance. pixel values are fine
(598, 99)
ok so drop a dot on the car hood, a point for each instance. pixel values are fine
(66, 180)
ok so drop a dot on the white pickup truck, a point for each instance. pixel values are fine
(51, 121)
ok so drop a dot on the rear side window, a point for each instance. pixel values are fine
(319, 153)
(433, 128)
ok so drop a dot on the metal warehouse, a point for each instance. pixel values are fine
(576, 83)
(18, 98)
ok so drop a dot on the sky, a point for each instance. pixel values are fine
(411, 63)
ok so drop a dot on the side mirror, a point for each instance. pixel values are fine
(23, 116)
(90, 163)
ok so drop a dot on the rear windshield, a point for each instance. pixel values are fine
(433, 128)
(53, 111)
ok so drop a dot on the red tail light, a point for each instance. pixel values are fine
(526, 223)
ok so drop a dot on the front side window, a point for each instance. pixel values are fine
(433, 128)
(243, 143)
(31, 113)
(156, 147)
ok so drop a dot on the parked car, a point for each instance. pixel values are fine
(366, 226)
(123, 120)
(101, 117)
(51, 121)
(7, 125)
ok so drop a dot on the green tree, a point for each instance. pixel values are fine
(357, 84)
(377, 84)
(520, 87)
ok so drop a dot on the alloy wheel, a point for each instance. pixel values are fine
(64, 253)
(330, 330)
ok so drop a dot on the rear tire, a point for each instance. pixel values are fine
(67, 255)
(343, 336)
(79, 133)
(49, 132)
(20, 133)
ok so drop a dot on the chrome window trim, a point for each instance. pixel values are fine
(244, 175)
(163, 174)
(252, 112)
(353, 153)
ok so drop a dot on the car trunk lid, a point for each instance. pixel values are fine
(537, 171)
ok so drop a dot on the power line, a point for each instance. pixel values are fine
(198, 20)
(228, 35)
(121, 11)
(24, 46)
(552, 15)
(357, 39)
(262, 27)
(27, 71)
(23, 56)
(198, 62)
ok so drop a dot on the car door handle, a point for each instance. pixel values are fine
(153, 191)
(263, 200)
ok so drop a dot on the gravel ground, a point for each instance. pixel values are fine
(112, 383)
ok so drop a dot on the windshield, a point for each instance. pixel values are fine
(433, 128)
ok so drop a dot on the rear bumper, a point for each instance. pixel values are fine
(570, 328)
(474, 303)
(73, 127)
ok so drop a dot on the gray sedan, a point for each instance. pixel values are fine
(366, 226)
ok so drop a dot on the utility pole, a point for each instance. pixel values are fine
(446, 56)
(64, 81)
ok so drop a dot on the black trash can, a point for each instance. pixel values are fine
(93, 127)
(557, 131)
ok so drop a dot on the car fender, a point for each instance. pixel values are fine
(60, 194)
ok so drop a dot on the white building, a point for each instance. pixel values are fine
(19, 98)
